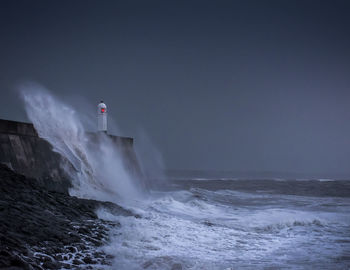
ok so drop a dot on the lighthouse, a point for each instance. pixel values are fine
(102, 117)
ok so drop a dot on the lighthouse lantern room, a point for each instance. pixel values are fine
(102, 117)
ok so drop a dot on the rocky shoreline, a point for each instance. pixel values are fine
(43, 229)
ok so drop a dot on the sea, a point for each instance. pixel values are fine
(236, 224)
(189, 222)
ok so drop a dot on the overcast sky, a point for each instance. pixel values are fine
(223, 85)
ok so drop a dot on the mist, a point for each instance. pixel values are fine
(95, 167)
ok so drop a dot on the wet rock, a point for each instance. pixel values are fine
(208, 223)
(147, 264)
(88, 260)
(176, 266)
(43, 229)
(51, 265)
(58, 257)
(77, 262)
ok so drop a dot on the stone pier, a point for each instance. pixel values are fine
(22, 150)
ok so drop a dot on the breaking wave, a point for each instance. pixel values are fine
(93, 163)
(265, 224)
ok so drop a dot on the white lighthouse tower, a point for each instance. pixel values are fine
(102, 117)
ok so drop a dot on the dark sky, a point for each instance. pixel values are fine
(224, 85)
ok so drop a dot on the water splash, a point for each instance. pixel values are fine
(151, 160)
(93, 162)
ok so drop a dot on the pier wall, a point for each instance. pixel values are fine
(22, 150)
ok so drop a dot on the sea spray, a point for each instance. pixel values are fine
(96, 167)
(150, 160)
(200, 224)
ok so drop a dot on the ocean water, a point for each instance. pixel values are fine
(199, 223)
(236, 224)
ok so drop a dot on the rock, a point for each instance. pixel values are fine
(51, 265)
(88, 260)
(176, 266)
(77, 262)
(17, 261)
(35, 220)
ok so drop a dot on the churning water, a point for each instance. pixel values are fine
(203, 224)
(211, 225)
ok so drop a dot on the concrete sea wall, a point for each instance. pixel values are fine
(25, 152)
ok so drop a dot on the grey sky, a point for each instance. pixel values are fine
(224, 85)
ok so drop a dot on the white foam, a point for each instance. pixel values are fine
(96, 169)
(325, 180)
(201, 234)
